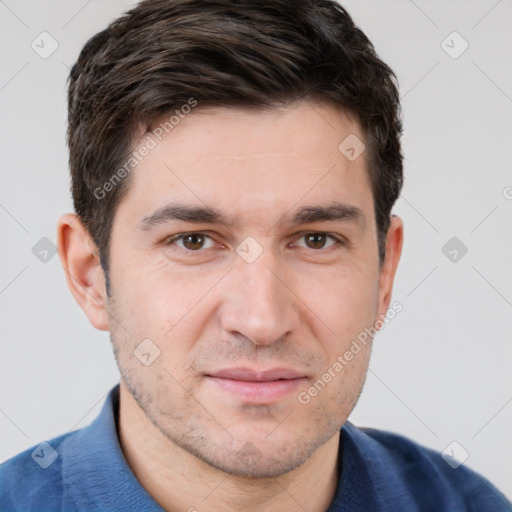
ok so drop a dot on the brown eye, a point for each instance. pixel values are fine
(193, 241)
(317, 241)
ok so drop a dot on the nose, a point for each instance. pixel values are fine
(259, 301)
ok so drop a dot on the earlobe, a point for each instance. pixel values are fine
(79, 258)
(394, 242)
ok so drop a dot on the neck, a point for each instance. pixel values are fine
(177, 480)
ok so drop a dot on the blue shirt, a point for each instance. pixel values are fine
(86, 470)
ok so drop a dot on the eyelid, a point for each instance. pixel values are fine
(339, 241)
(169, 241)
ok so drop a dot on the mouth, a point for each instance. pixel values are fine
(257, 386)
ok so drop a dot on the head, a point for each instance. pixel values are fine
(269, 129)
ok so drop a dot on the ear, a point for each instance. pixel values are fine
(394, 241)
(79, 257)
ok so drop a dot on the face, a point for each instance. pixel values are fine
(245, 256)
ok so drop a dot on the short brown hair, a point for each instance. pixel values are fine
(253, 54)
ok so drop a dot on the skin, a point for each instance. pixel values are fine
(299, 305)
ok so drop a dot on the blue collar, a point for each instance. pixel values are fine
(93, 461)
(96, 466)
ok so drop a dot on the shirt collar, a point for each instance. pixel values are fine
(95, 469)
(98, 474)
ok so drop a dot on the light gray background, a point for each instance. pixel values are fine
(441, 370)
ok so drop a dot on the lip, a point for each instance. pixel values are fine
(257, 386)
(248, 374)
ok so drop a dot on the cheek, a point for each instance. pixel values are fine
(157, 296)
(170, 307)
(345, 301)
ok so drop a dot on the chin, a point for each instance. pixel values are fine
(250, 462)
(247, 455)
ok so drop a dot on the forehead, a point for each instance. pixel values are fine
(297, 129)
(252, 162)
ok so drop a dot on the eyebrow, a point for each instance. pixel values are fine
(334, 212)
(182, 212)
(207, 215)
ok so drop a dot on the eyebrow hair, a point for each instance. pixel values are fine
(337, 211)
(207, 215)
(186, 213)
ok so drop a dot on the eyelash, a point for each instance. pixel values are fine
(338, 242)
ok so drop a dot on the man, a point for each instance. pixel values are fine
(234, 167)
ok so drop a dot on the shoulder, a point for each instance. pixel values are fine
(398, 466)
(35, 476)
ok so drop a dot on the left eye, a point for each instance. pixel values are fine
(192, 241)
(317, 241)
